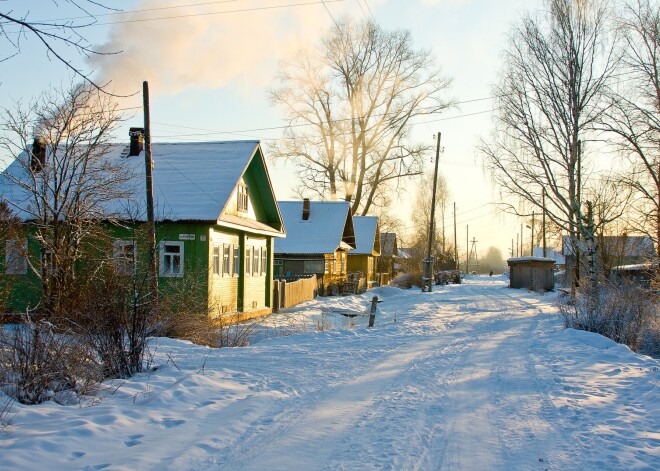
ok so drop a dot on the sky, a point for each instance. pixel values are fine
(210, 63)
(475, 376)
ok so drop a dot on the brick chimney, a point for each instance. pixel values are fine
(306, 209)
(38, 157)
(137, 141)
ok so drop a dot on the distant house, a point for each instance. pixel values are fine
(615, 251)
(388, 253)
(367, 247)
(216, 218)
(409, 259)
(319, 236)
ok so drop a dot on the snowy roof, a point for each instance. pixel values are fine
(623, 246)
(192, 181)
(329, 227)
(367, 236)
(529, 259)
(388, 244)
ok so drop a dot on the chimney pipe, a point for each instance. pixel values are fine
(306, 209)
(38, 156)
(137, 141)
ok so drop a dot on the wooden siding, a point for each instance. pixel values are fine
(364, 264)
(256, 280)
(223, 287)
(532, 275)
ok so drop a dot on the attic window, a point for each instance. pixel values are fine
(242, 199)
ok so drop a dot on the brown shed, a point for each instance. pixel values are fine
(532, 273)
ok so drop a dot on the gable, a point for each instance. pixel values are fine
(367, 235)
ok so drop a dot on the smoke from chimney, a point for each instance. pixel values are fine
(202, 47)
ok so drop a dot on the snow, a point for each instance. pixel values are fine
(192, 181)
(365, 235)
(529, 259)
(323, 232)
(470, 376)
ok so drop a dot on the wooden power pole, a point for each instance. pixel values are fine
(428, 264)
(148, 167)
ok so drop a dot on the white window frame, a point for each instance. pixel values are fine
(264, 260)
(124, 264)
(226, 263)
(248, 260)
(242, 198)
(236, 255)
(216, 255)
(256, 259)
(16, 262)
(164, 269)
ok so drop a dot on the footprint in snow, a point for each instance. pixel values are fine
(133, 440)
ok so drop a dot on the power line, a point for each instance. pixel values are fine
(369, 8)
(191, 15)
(331, 17)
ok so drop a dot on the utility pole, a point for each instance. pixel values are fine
(458, 264)
(467, 249)
(428, 269)
(151, 220)
(521, 240)
(512, 253)
(473, 250)
(545, 254)
(531, 251)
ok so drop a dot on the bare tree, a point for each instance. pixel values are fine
(61, 183)
(555, 73)
(634, 115)
(350, 108)
(492, 261)
(442, 249)
(57, 36)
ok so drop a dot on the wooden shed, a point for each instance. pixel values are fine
(532, 273)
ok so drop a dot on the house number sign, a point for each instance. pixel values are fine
(186, 236)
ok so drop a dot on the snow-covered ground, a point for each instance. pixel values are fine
(470, 377)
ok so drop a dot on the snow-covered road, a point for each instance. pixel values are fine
(469, 377)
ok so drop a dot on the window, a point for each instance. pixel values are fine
(216, 259)
(255, 261)
(124, 255)
(235, 268)
(225, 259)
(47, 260)
(328, 266)
(248, 260)
(15, 257)
(264, 260)
(278, 262)
(342, 258)
(242, 198)
(171, 259)
(313, 266)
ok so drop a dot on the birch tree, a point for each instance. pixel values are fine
(350, 106)
(550, 96)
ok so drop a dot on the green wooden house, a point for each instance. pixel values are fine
(216, 220)
(364, 259)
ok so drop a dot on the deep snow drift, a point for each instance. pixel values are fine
(473, 377)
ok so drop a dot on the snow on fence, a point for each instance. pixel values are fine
(290, 293)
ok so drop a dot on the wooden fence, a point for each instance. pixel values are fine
(290, 293)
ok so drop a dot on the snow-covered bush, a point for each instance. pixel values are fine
(624, 312)
(39, 363)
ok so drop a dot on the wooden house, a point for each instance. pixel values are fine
(319, 236)
(364, 259)
(216, 220)
(388, 253)
(534, 273)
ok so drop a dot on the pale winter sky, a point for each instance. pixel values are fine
(209, 63)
